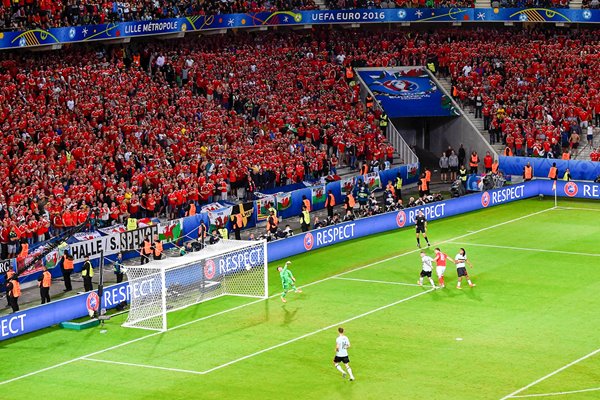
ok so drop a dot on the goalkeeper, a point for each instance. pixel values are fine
(287, 280)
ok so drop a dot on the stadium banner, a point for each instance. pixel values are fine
(263, 205)
(284, 201)
(318, 194)
(580, 170)
(170, 231)
(246, 210)
(219, 217)
(372, 180)
(46, 315)
(93, 248)
(81, 236)
(5, 266)
(198, 23)
(407, 92)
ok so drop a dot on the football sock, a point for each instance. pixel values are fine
(470, 283)
(458, 284)
(420, 281)
(339, 368)
(418, 242)
(350, 372)
(431, 281)
(283, 294)
(441, 279)
(426, 239)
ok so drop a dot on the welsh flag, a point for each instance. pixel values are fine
(413, 170)
(263, 205)
(318, 194)
(373, 181)
(170, 231)
(284, 201)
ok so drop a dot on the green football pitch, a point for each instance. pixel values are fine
(531, 327)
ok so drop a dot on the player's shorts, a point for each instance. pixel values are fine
(420, 229)
(462, 271)
(338, 359)
(444, 170)
(425, 274)
(440, 271)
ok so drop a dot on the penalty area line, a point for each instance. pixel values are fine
(551, 374)
(128, 364)
(556, 393)
(575, 253)
(376, 281)
(51, 367)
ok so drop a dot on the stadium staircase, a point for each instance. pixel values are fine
(470, 114)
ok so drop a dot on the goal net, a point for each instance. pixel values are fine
(229, 267)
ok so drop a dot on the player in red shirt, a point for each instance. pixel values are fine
(440, 262)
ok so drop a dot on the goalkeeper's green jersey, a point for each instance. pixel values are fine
(286, 276)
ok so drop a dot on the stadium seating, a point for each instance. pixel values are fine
(48, 13)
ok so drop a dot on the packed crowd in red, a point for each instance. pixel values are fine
(538, 92)
(86, 129)
(30, 14)
(144, 130)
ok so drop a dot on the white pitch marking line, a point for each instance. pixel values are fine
(577, 208)
(556, 393)
(543, 378)
(376, 281)
(260, 300)
(187, 371)
(317, 331)
(528, 249)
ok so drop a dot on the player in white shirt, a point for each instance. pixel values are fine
(461, 260)
(426, 269)
(440, 265)
(342, 344)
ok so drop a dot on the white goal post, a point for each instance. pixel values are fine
(229, 267)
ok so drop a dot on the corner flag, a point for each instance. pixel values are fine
(554, 186)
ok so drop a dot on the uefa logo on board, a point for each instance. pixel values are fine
(571, 189)
(309, 241)
(92, 302)
(401, 86)
(485, 199)
(401, 219)
(210, 269)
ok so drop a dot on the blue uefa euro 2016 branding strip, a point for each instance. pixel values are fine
(41, 317)
(87, 33)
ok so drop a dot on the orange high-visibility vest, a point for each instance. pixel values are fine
(16, 289)
(566, 156)
(46, 279)
(239, 221)
(508, 152)
(428, 176)
(330, 200)
(553, 174)
(474, 161)
(158, 248)
(24, 250)
(364, 169)
(306, 204)
(136, 60)
(495, 167)
(423, 184)
(68, 263)
(147, 247)
(369, 101)
(192, 210)
(528, 173)
(351, 201)
(272, 222)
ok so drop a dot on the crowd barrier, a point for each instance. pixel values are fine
(198, 23)
(580, 170)
(77, 306)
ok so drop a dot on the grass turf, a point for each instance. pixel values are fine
(532, 312)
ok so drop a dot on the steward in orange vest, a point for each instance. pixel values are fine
(238, 224)
(495, 167)
(158, 248)
(474, 162)
(13, 291)
(306, 203)
(272, 223)
(145, 251)
(553, 173)
(67, 270)
(349, 202)
(423, 186)
(330, 203)
(349, 73)
(527, 172)
(45, 281)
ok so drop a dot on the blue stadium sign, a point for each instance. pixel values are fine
(199, 23)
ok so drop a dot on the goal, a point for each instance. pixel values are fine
(229, 267)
